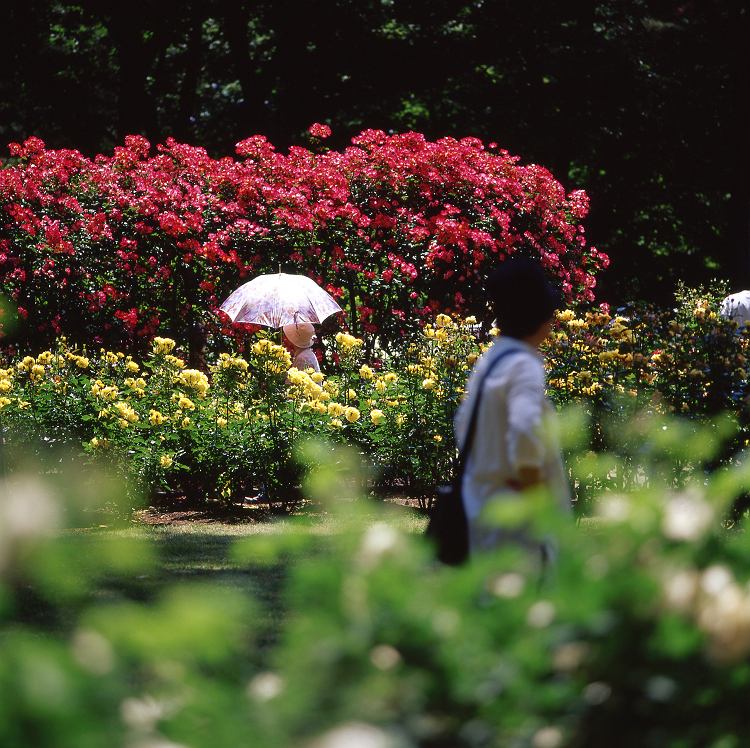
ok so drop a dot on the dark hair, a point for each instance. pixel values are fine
(521, 296)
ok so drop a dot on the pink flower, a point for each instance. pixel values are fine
(318, 130)
(425, 218)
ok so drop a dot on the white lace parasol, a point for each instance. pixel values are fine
(280, 299)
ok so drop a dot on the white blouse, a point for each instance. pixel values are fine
(512, 432)
(306, 359)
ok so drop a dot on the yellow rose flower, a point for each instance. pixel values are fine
(348, 342)
(178, 363)
(194, 380)
(429, 384)
(126, 412)
(335, 409)
(377, 416)
(26, 363)
(336, 423)
(6, 385)
(185, 403)
(275, 358)
(351, 414)
(231, 362)
(365, 372)
(163, 345)
(37, 372)
(221, 422)
(443, 320)
(166, 461)
(132, 367)
(185, 423)
(594, 389)
(577, 324)
(380, 386)
(262, 347)
(156, 418)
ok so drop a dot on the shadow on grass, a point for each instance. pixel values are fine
(199, 553)
(190, 550)
(203, 555)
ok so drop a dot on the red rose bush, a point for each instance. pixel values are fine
(116, 249)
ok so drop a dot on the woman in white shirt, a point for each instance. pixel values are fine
(301, 336)
(513, 448)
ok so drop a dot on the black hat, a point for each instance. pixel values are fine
(521, 296)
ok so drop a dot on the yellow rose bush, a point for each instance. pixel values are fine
(412, 405)
(231, 432)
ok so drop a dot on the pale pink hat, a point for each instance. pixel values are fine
(300, 334)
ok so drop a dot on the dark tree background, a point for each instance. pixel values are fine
(641, 102)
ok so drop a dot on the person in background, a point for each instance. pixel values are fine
(736, 307)
(301, 335)
(512, 449)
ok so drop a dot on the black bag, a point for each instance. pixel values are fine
(448, 527)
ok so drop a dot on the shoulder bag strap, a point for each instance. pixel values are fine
(469, 438)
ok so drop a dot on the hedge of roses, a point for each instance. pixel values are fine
(171, 428)
(116, 249)
(234, 432)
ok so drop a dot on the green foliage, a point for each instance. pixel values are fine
(235, 431)
(665, 174)
(646, 612)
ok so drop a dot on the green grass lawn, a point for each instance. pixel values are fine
(200, 550)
